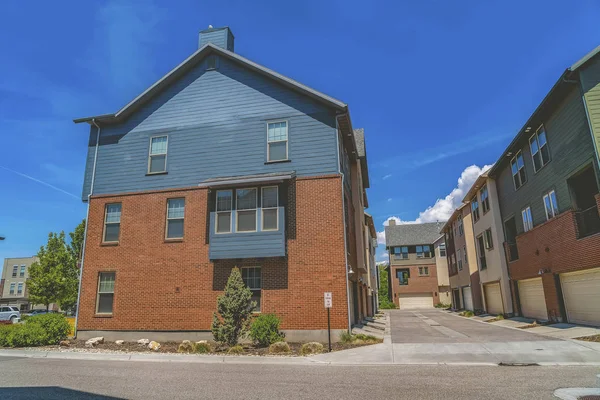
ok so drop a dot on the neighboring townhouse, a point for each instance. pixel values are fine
(372, 276)
(547, 181)
(413, 271)
(441, 265)
(462, 260)
(222, 163)
(13, 287)
(482, 199)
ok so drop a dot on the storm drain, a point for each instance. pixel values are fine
(516, 364)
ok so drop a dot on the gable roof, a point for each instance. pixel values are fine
(454, 215)
(192, 61)
(412, 234)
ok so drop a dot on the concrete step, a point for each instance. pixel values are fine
(375, 324)
(369, 329)
(377, 334)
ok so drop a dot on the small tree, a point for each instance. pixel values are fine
(233, 310)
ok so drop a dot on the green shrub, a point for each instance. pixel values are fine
(385, 304)
(467, 314)
(237, 349)
(443, 305)
(202, 348)
(23, 335)
(39, 330)
(279, 348)
(265, 330)
(55, 326)
(500, 317)
(5, 331)
(185, 347)
(346, 337)
(311, 348)
(365, 338)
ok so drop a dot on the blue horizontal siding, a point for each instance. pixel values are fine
(249, 244)
(216, 123)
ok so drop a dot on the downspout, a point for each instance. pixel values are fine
(87, 215)
(337, 141)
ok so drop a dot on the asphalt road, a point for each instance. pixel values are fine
(434, 326)
(27, 378)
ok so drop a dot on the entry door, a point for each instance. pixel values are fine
(468, 298)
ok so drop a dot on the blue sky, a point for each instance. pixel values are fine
(438, 86)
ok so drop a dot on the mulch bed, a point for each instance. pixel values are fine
(593, 338)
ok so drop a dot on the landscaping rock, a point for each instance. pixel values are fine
(311, 348)
(143, 342)
(93, 342)
(185, 347)
(119, 342)
(64, 343)
(279, 348)
(201, 341)
(154, 346)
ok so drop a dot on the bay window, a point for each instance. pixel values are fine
(223, 211)
(245, 201)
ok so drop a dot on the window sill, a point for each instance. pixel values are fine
(109, 244)
(157, 173)
(103, 315)
(278, 161)
(176, 240)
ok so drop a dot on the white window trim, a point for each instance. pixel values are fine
(554, 212)
(287, 144)
(24, 269)
(527, 224)
(262, 215)
(539, 148)
(247, 209)
(15, 271)
(158, 154)
(12, 289)
(230, 212)
(174, 219)
(111, 223)
(22, 288)
(489, 245)
(98, 292)
(483, 201)
(518, 169)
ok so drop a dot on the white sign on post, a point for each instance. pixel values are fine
(328, 301)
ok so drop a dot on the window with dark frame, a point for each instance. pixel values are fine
(253, 280)
(461, 228)
(442, 248)
(12, 289)
(112, 223)
(485, 201)
(539, 149)
(475, 209)
(20, 288)
(106, 293)
(14, 271)
(517, 167)
(459, 259)
(175, 218)
(487, 235)
(402, 275)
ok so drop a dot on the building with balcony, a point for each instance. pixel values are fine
(547, 181)
(413, 251)
(223, 163)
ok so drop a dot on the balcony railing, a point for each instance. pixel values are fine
(482, 263)
(513, 251)
(588, 221)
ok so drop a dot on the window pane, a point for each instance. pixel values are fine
(224, 198)
(175, 228)
(277, 131)
(554, 202)
(270, 219)
(246, 221)
(107, 282)
(277, 151)
(419, 249)
(158, 163)
(542, 138)
(111, 233)
(396, 250)
(159, 145)
(533, 145)
(520, 161)
(545, 154)
(113, 213)
(246, 199)
(175, 208)
(105, 303)
(269, 197)
(426, 248)
(548, 207)
(223, 222)
(513, 167)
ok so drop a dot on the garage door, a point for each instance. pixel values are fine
(533, 302)
(467, 298)
(581, 291)
(493, 298)
(415, 300)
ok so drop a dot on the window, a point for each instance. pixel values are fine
(485, 200)
(459, 258)
(252, 278)
(270, 212)
(277, 141)
(453, 261)
(211, 62)
(539, 149)
(175, 214)
(401, 253)
(15, 269)
(20, 288)
(420, 253)
(442, 249)
(424, 251)
(112, 222)
(517, 167)
(12, 288)
(402, 275)
(527, 220)
(224, 203)
(465, 253)
(22, 272)
(475, 209)
(480, 249)
(245, 200)
(106, 293)
(423, 271)
(461, 229)
(487, 236)
(550, 205)
(157, 158)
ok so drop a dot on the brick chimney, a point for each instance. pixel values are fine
(392, 222)
(222, 37)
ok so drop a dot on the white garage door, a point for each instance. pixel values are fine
(533, 302)
(581, 291)
(415, 300)
(493, 298)
(467, 298)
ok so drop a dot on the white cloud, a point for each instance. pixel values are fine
(383, 255)
(389, 199)
(442, 209)
(387, 176)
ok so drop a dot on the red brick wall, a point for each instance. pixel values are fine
(553, 247)
(416, 283)
(174, 286)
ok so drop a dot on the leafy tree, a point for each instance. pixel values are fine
(383, 282)
(233, 310)
(76, 245)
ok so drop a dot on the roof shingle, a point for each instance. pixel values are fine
(412, 234)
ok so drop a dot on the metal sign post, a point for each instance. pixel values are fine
(328, 303)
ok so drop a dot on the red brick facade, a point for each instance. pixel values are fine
(171, 286)
(416, 283)
(550, 249)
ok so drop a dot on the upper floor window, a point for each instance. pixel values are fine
(487, 236)
(475, 209)
(401, 252)
(424, 251)
(175, 215)
(539, 149)
(277, 141)
(157, 159)
(423, 271)
(402, 275)
(22, 272)
(14, 272)
(517, 167)
(211, 62)
(112, 222)
(223, 211)
(459, 258)
(527, 220)
(453, 262)
(442, 249)
(246, 204)
(485, 200)
(465, 252)
(551, 205)
(12, 289)
(270, 210)
(20, 288)
(461, 229)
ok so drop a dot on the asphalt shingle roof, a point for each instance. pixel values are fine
(412, 234)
